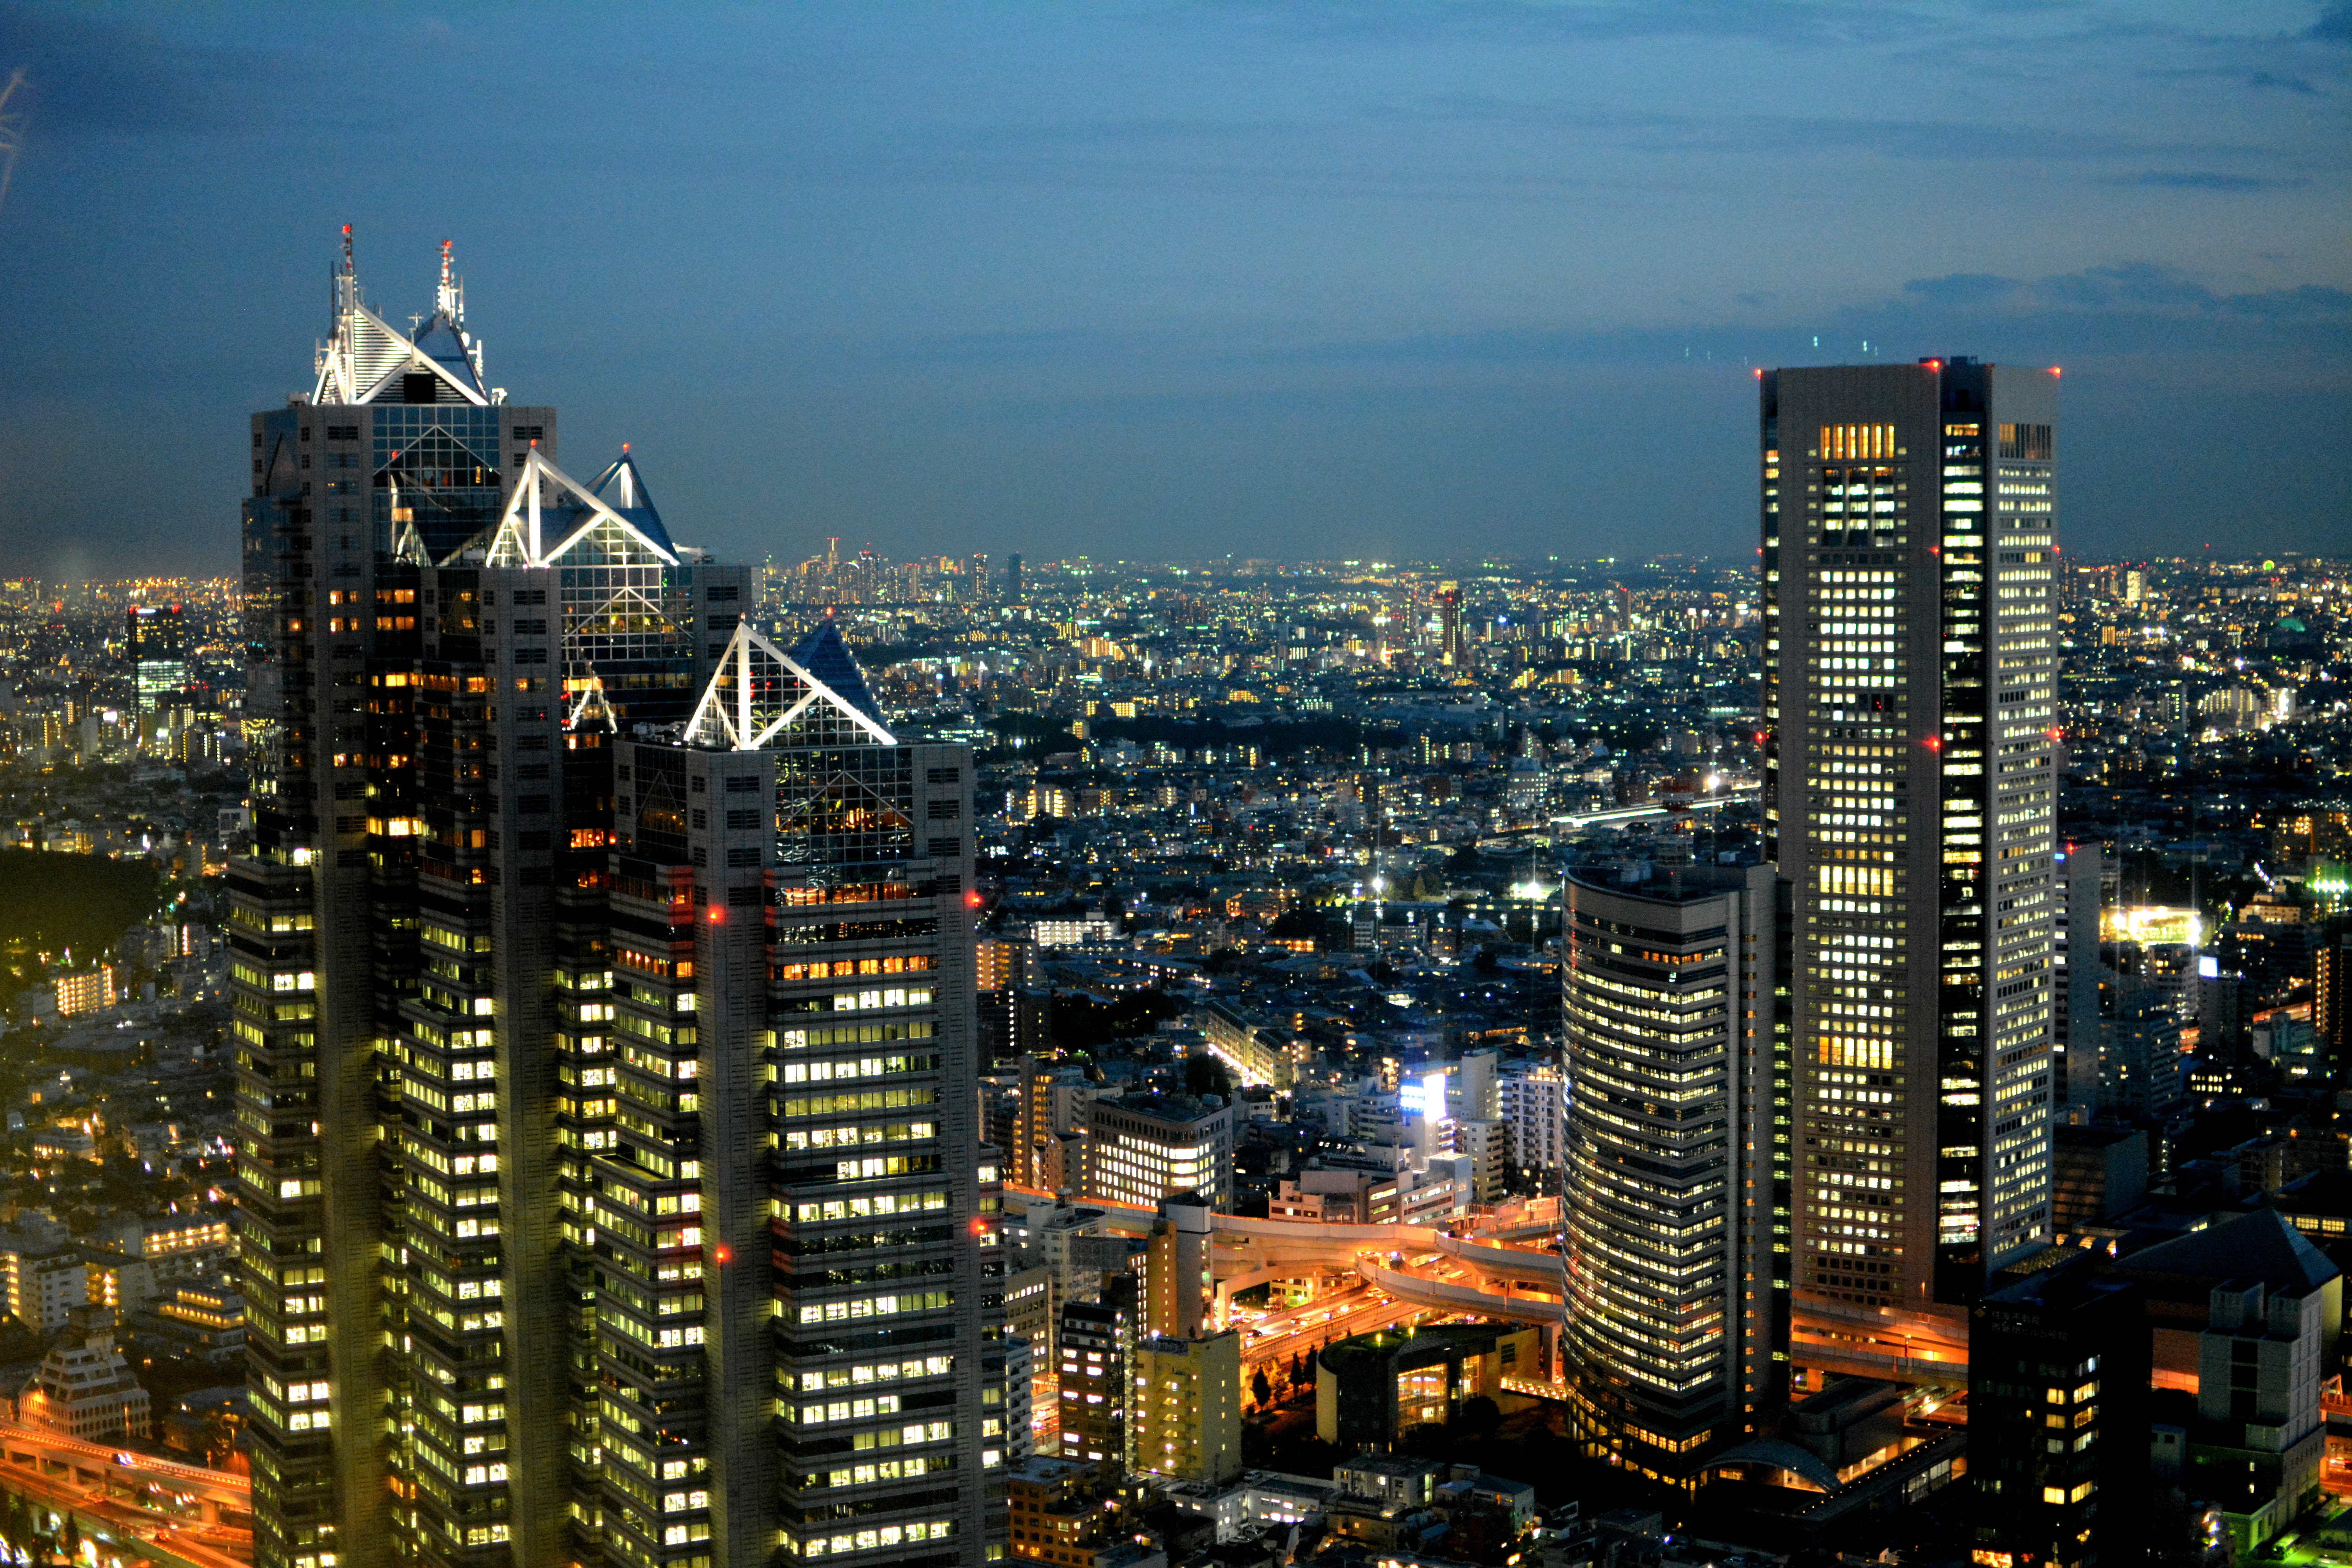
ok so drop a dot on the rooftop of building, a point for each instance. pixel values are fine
(2259, 1247)
(1045, 1471)
(1665, 884)
(2093, 1137)
(2319, 1193)
(1176, 1109)
(1429, 1339)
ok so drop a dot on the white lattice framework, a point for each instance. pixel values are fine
(366, 356)
(591, 709)
(759, 696)
(541, 487)
(611, 572)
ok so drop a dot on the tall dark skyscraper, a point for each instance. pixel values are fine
(563, 877)
(1909, 697)
(1673, 1176)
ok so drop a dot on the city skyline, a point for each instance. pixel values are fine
(1454, 783)
(1495, 270)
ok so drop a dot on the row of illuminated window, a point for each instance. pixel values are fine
(851, 1136)
(878, 1206)
(876, 1372)
(876, 1306)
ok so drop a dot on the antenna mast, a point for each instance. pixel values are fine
(451, 299)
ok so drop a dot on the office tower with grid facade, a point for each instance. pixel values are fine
(1909, 700)
(1142, 1150)
(156, 639)
(1669, 1192)
(799, 1095)
(516, 1201)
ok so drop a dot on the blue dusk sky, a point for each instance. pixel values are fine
(1150, 280)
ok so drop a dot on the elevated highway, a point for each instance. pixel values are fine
(1506, 1267)
(182, 1516)
(1425, 1288)
(1415, 1264)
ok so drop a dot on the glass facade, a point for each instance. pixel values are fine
(1667, 1212)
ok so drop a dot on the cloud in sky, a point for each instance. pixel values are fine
(1162, 277)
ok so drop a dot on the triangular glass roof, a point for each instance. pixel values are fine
(442, 344)
(824, 655)
(623, 488)
(551, 518)
(761, 697)
(439, 485)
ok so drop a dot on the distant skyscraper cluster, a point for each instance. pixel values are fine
(610, 1188)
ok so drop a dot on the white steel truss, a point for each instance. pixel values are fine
(590, 710)
(366, 356)
(759, 696)
(517, 541)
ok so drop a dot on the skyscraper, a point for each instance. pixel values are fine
(157, 639)
(399, 443)
(1909, 700)
(564, 876)
(1452, 652)
(2058, 1402)
(1672, 1310)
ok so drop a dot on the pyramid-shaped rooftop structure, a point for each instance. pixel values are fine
(622, 487)
(824, 655)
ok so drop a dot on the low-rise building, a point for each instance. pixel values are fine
(84, 1388)
(208, 1320)
(1369, 1389)
(85, 991)
(1260, 1499)
(43, 1278)
(1066, 1514)
(1143, 1148)
(1184, 1417)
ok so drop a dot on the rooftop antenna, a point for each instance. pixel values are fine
(347, 283)
(451, 299)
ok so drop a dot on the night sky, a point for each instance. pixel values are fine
(1377, 281)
